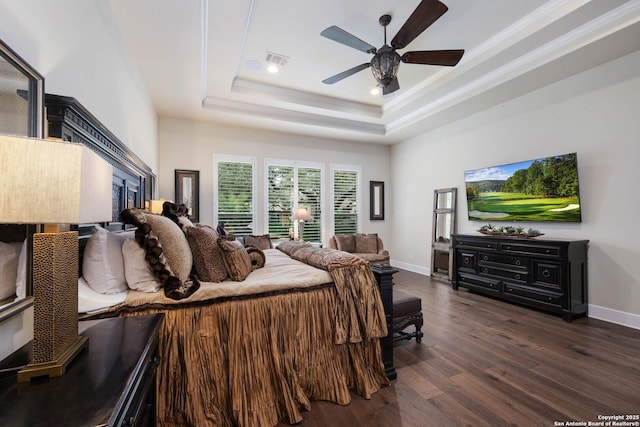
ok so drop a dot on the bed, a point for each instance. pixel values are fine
(306, 326)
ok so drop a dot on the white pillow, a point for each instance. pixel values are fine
(9, 254)
(21, 276)
(137, 270)
(102, 265)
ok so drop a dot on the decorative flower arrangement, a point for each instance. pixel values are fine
(509, 231)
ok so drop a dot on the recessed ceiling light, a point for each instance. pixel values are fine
(252, 64)
(272, 68)
(375, 91)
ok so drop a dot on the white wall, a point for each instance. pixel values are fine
(595, 114)
(74, 45)
(191, 145)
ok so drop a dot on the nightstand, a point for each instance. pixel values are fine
(112, 382)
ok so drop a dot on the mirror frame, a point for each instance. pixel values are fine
(194, 192)
(439, 247)
(35, 98)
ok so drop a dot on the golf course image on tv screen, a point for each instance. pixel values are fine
(544, 189)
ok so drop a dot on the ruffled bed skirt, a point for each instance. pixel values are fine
(257, 362)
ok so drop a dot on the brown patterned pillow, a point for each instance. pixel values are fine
(261, 242)
(236, 259)
(366, 243)
(207, 257)
(346, 242)
(174, 244)
(257, 257)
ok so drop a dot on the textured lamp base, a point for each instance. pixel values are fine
(54, 368)
(55, 305)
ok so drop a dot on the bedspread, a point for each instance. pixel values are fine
(242, 359)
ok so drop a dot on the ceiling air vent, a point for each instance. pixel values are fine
(276, 58)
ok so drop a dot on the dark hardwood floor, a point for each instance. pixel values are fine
(484, 362)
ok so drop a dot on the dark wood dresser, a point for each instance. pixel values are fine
(547, 274)
(111, 383)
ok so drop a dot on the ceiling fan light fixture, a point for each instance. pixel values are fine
(384, 65)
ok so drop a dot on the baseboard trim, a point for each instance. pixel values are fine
(614, 316)
(411, 267)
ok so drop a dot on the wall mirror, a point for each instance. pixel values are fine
(22, 114)
(444, 225)
(187, 192)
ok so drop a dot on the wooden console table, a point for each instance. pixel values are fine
(111, 383)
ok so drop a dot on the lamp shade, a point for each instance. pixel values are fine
(302, 214)
(46, 182)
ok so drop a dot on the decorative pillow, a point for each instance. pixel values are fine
(366, 243)
(137, 270)
(9, 255)
(207, 257)
(257, 257)
(261, 242)
(174, 287)
(102, 264)
(236, 259)
(346, 242)
(174, 244)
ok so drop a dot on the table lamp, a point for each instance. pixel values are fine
(56, 184)
(300, 216)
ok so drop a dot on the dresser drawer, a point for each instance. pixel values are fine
(496, 258)
(548, 298)
(519, 275)
(478, 244)
(523, 248)
(473, 282)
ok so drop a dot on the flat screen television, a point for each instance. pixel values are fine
(538, 190)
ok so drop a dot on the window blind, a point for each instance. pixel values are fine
(345, 201)
(235, 196)
(291, 186)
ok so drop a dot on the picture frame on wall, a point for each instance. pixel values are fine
(376, 200)
(187, 191)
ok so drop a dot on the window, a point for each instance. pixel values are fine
(292, 185)
(346, 199)
(234, 193)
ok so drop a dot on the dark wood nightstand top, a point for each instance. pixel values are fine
(100, 386)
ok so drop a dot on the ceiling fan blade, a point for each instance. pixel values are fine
(427, 12)
(433, 57)
(392, 87)
(341, 36)
(333, 79)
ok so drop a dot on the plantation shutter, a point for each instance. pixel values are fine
(345, 201)
(310, 197)
(290, 186)
(280, 200)
(235, 196)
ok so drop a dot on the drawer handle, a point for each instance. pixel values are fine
(548, 251)
(510, 289)
(507, 247)
(488, 246)
(485, 270)
(467, 260)
(517, 262)
(546, 273)
(549, 298)
(517, 276)
(485, 258)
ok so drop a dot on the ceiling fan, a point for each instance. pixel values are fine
(386, 60)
